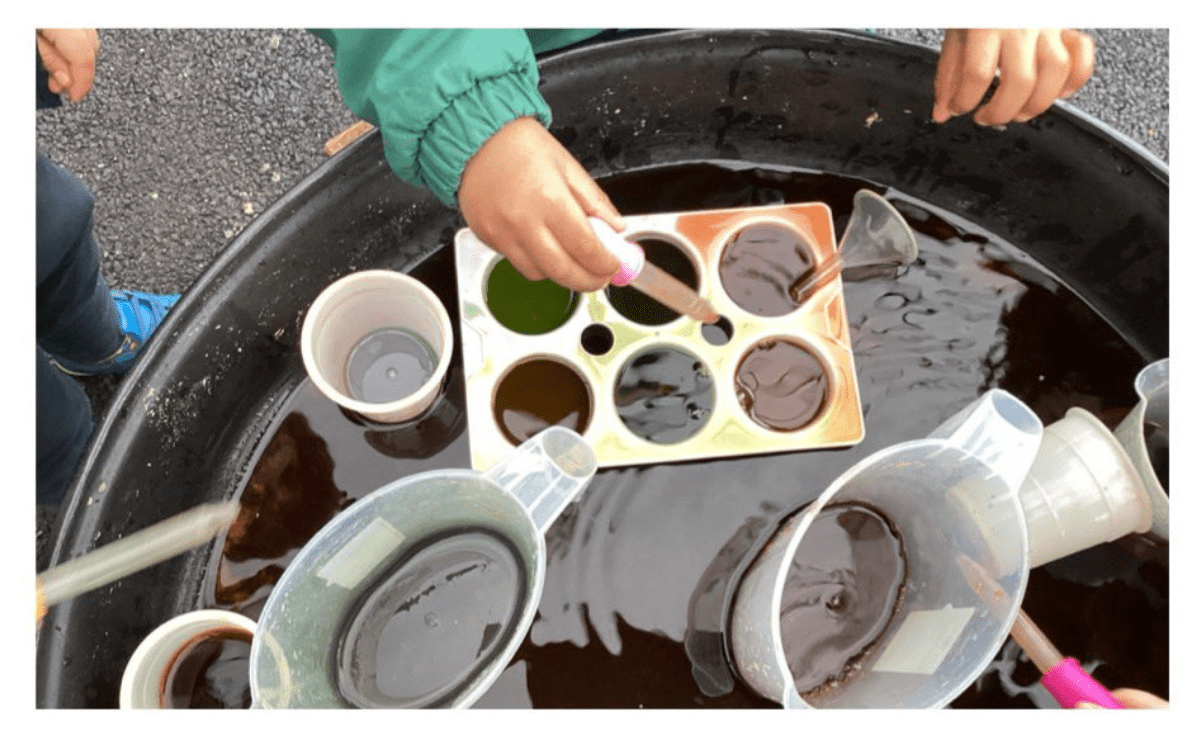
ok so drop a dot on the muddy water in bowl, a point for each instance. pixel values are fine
(439, 617)
(211, 674)
(843, 587)
(630, 568)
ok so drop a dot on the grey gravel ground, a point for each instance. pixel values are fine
(188, 134)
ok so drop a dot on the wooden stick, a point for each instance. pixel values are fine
(346, 137)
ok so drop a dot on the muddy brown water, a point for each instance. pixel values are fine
(843, 588)
(632, 607)
(432, 622)
(210, 673)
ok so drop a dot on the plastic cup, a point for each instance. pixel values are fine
(144, 683)
(378, 343)
(1082, 490)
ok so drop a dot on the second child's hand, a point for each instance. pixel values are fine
(69, 56)
(1036, 66)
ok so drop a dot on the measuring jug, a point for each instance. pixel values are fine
(419, 594)
(1143, 435)
(952, 494)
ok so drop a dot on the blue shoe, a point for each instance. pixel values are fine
(140, 313)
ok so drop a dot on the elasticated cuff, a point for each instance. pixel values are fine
(470, 120)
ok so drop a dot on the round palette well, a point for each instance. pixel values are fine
(782, 385)
(759, 264)
(538, 393)
(668, 254)
(527, 306)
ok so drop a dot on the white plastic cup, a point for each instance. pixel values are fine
(1081, 491)
(357, 306)
(144, 683)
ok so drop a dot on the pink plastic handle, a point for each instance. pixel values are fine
(1070, 684)
(628, 271)
(630, 254)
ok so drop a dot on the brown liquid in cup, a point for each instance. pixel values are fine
(210, 672)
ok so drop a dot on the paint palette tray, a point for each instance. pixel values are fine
(643, 384)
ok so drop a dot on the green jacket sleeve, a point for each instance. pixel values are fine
(436, 95)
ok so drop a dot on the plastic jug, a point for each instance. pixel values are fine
(1143, 435)
(327, 635)
(951, 495)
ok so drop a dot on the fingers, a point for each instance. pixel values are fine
(577, 236)
(568, 250)
(1018, 75)
(1082, 49)
(1138, 699)
(1036, 66)
(56, 65)
(1053, 66)
(1033, 67)
(69, 56)
(947, 73)
(976, 70)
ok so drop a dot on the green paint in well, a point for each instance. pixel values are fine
(527, 306)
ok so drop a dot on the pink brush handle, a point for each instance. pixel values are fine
(1070, 684)
(632, 257)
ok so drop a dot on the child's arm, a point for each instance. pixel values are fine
(1036, 66)
(460, 114)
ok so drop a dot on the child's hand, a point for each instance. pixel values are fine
(526, 197)
(69, 55)
(1036, 66)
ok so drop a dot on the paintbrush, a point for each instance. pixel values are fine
(1063, 677)
(638, 272)
(139, 550)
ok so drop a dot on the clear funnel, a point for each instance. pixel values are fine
(876, 237)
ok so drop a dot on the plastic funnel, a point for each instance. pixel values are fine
(876, 238)
(1081, 491)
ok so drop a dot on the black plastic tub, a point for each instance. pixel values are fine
(1084, 202)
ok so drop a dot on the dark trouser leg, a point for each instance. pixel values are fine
(76, 318)
(64, 427)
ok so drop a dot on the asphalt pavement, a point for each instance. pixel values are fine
(188, 135)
